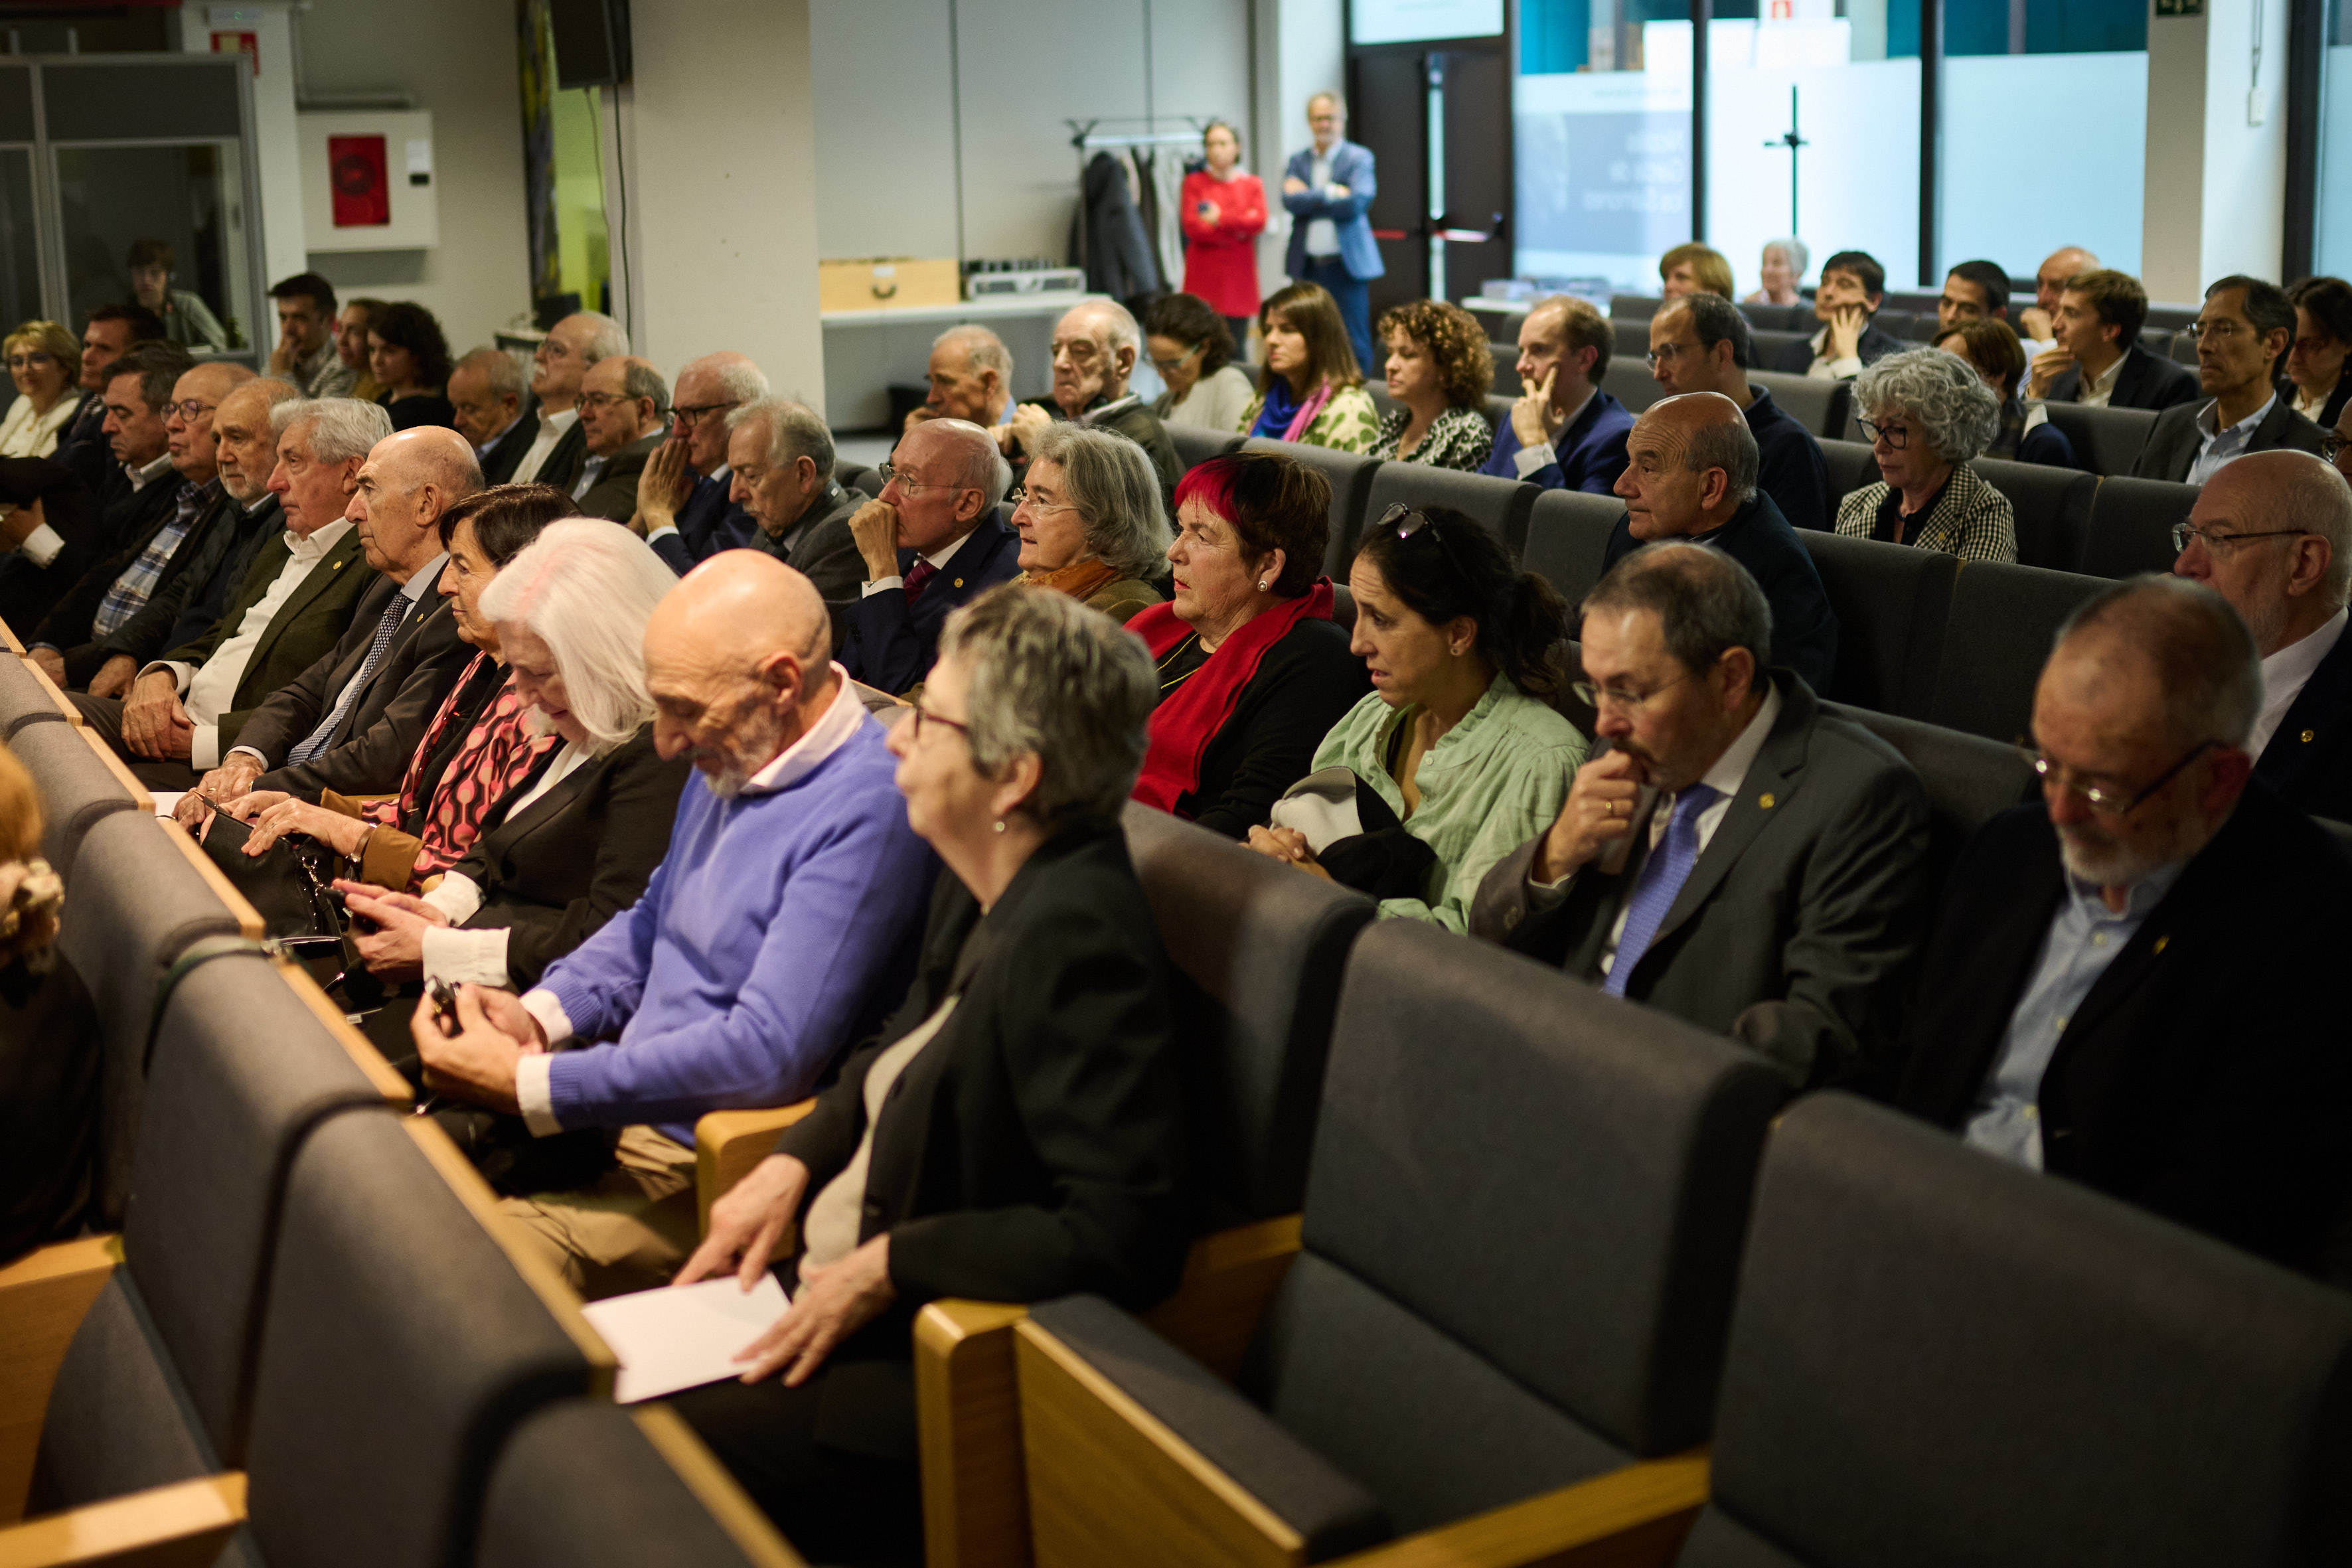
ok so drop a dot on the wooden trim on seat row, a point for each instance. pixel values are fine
(8, 638)
(181, 1526)
(381, 1074)
(43, 1299)
(718, 1491)
(121, 771)
(729, 1143)
(968, 1411)
(562, 1302)
(72, 714)
(1632, 1518)
(249, 923)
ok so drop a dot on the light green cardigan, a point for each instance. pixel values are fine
(1493, 781)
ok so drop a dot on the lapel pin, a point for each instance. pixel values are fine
(1767, 800)
(2308, 736)
(959, 583)
(2161, 941)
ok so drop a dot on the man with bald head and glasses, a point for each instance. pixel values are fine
(932, 540)
(2135, 982)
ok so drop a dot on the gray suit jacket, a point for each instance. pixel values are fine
(1796, 930)
(2172, 448)
(614, 493)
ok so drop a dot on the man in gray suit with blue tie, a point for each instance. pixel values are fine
(1733, 855)
(1328, 188)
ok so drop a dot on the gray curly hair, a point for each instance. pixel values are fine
(1109, 480)
(1956, 413)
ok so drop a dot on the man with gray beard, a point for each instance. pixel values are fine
(2133, 983)
(779, 930)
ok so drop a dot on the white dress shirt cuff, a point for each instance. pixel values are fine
(1846, 369)
(204, 748)
(1335, 192)
(248, 752)
(535, 1092)
(881, 582)
(457, 898)
(181, 673)
(1527, 460)
(458, 956)
(668, 531)
(41, 545)
(543, 1004)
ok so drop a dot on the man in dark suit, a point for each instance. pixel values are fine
(82, 445)
(2097, 359)
(2135, 984)
(494, 411)
(624, 409)
(1327, 190)
(2271, 534)
(1564, 432)
(1693, 475)
(931, 541)
(1095, 348)
(50, 503)
(1735, 857)
(780, 458)
(353, 719)
(686, 502)
(1853, 287)
(295, 601)
(570, 349)
(1700, 343)
(2242, 335)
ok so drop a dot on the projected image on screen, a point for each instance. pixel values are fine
(1403, 21)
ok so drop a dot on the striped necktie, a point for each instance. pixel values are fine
(316, 742)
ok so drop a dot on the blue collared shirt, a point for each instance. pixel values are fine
(2221, 447)
(2083, 939)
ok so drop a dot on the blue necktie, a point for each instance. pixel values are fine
(316, 742)
(1661, 878)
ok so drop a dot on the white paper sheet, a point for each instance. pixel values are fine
(166, 800)
(683, 1336)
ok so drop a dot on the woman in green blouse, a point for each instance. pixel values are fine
(1311, 390)
(1458, 739)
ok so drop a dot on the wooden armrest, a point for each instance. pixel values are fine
(1110, 1482)
(249, 923)
(121, 771)
(182, 1526)
(8, 636)
(727, 1143)
(63, 704)
(719, 1492)
(381, 1074)
(1229, 1276)
(43, 1299)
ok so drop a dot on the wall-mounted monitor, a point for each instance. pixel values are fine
(1411, 21)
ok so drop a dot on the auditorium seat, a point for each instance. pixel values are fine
(1632, 341)
(2131, 526)
(1522, 1226)
(2003, 621)
(1352, 481)
(1499, 401)
(1777, 318)
(1635, 306)
(1969, 779)
(868, 481)
(1568, 539)
(1939, 1358)
(588, 1485)
(77, 787)
(2052, 507)
(24, 698)
(157, 1385)
(1851, 467)
(1506, 360)
(1629, 381)
(1820, 406)
(1905, 324)
(2183, 347)
(1500, 506)
(2105, 440)
(1196, 444)
(854, 477)
(1769, 345)
(1891, 601)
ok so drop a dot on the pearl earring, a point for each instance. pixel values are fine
(1262, 585)
(1000, 825)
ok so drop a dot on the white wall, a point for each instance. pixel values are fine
(459, 59)
(2215, 183)
(273, 123)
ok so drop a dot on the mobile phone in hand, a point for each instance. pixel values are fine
(444, 1006)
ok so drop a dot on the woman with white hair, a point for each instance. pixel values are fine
(1091, 522)
(1783, 264)
(1927, 413)
(576, 839)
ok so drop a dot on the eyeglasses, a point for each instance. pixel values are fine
(924, 715)
(2182, 532)
(1169, 366)
(2309, 345)
(688, 414)
(189, 408)
(2331, 446)
(2105, 799)
(909, 484)
(29, 360)
(1897, 435)
(2219, 331)
(595, 400)
(1019, 496)
(1617, 697)
(1665, 353)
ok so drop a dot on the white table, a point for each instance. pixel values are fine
(867, 351)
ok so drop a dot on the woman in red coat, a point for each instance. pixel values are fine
(1224, 211)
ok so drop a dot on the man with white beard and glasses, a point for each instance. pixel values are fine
(779, 930)
(2135, 984)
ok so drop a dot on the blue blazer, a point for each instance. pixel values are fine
(708, 523)
(1352, 166)
(889, 644)
(1589, 455)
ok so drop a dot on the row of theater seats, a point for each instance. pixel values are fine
(1908, 316)
(1549, 1243)
(1921, 635)
(301, 1336)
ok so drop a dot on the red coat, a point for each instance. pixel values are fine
(1221, 258)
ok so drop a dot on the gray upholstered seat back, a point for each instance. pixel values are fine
(1820, 406)
(1850, 467)
(2131, 526)
(76, 789)
(1629, 381)
(1941, 1359)
(1891, 601)
(1352, 481)
(2051, 508)
(579, 1486)
(2105, 440)
(1968, 778)
(1568, 540)
(399, 1349)
(1500, 506)
(2003, 619)
(1196, 444)
(1555, 1180)
(22, 699)
(1260, 951)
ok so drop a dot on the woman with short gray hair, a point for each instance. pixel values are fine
(1091, 522)
(1927, 413)
(1016, 1132)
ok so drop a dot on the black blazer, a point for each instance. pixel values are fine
(1797, 358)
(2206, 1075)
(552, 874)
(1804, 626)
(614, 496)
(134, 521)
(2309, 758)
(2146, 380)
(1035, 1147)
(890, 644)
(28, 593)
(2172, 444)
(1304, 685)
(419, 409)
(369, 748)
(499, 462)
(565, 459)
(1796, 930)
(1789, 467)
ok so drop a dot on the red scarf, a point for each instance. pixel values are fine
(1190, 717)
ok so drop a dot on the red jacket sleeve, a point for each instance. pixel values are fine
(1240, 203)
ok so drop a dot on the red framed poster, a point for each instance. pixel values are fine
(355, 167)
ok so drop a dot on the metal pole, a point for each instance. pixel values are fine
(1702, 16)
(1931, 116)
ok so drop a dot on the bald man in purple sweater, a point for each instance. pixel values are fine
(775, 933)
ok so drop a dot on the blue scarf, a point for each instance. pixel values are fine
(1281, 407)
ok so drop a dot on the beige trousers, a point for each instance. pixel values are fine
(630, 1231)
